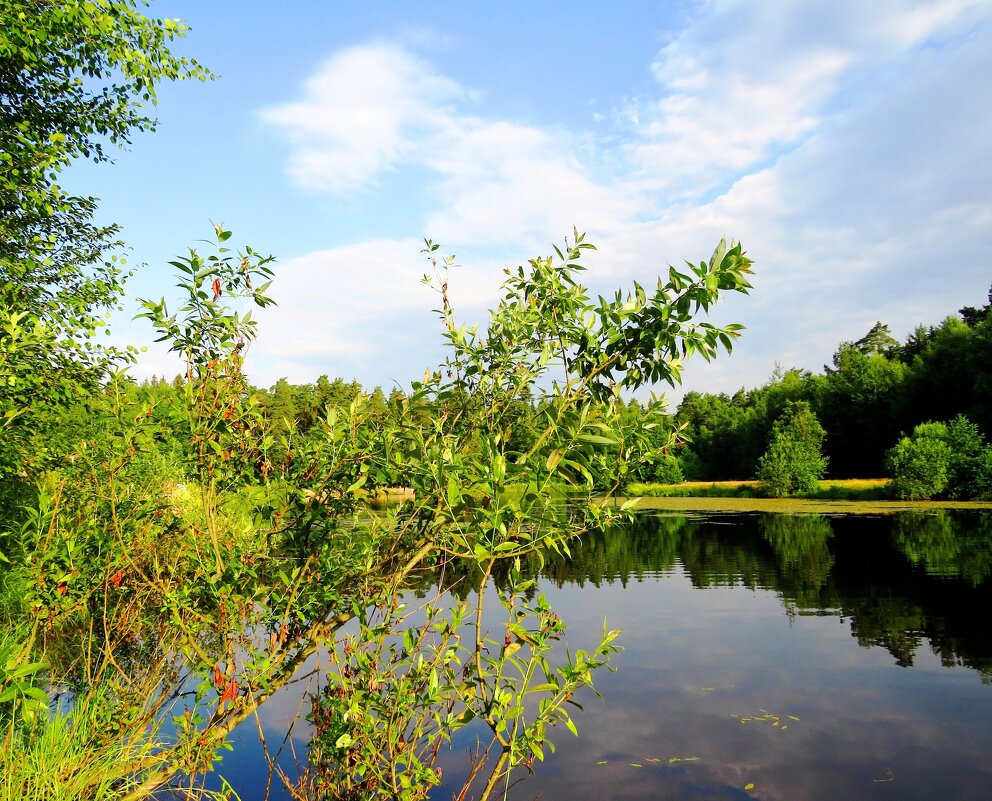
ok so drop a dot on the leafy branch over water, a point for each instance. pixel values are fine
(194, 593)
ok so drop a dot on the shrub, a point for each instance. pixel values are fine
(664, 469)
(949, 459)
(794, 462)
(967, 449)
(983, 474)
(691, 465)
(920, 465)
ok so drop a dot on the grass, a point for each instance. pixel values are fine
(837, 496)
(65, 758)
(57, 760)
(695, 489)
(797, 505)
(851, 489)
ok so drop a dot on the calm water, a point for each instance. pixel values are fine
(867, 639)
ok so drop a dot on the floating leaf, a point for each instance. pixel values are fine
(602, 762)
(749, 786)
(767, 717)
(635, 764)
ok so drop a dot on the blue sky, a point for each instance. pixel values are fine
(845, 144)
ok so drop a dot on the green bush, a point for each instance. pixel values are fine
(941, 459)
(920, 465)
(967, 452)
(664, 469)
(983, 474)
(691, 465)
(794, 462)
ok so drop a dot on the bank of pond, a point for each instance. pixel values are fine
(847, 489)
(765, 655)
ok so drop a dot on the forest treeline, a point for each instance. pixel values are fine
(295, 418)
(875, 391)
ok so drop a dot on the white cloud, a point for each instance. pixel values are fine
(373, 108)
(509, 183)
(711, 124)
(357, 310)
(362, 112)
(749, 79)
(908, 26)
(844, 145)
(330, 302)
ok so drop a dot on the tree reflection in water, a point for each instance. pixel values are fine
(900, 580)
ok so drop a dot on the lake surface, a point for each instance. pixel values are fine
(765, 656)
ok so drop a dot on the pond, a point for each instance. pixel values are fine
(764, 656)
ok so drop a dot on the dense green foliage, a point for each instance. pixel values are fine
(875, 392)
(205, 506)
(793, 463)
(173, 552)
(202, 534)
(941, 459)
(76, 79)
(920, 464)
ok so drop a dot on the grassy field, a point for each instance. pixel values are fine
(799, 505)
(850, 489)
(836, 496)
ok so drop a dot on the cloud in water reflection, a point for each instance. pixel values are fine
(765, 656)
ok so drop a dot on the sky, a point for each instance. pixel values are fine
(846, 145)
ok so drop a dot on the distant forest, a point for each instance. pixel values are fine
(875, 391)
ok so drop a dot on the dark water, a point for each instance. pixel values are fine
(867, 640)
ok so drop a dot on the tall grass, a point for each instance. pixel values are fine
(64, 757)
(694, 489)
(852, 489)
(57, 759)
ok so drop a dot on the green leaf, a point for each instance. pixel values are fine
(35, 693)
(596, 439)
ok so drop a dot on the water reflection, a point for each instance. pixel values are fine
(839, 629)
(900, 581)
(801, 545)
(807, 622)
(947, 546)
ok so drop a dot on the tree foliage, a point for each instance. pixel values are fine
(920, 464)
(941, 459)
(198, 548)
(874, 390)
(201, 541)
(76, 78)
(793, 462)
